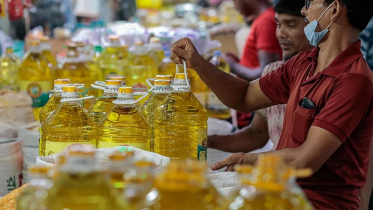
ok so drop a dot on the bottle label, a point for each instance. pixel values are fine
(202, 153)
(201, 96)
(214, 103)
(143, 146)
(57, 147)
(38, 90)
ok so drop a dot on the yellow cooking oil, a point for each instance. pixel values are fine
(156, 50)
(118, 164)
(46, 49)
(180, 124)
(102, 106)
(9, 70)
(86, 55)
(82, 185)
(124, 125)
(139, 181)
(112, 58)
(161, 89)
(139, 66)
(77, 71)
(69, 124)
(35, 194)
(268, 186)
(215, 108)
(36, 77)
(177, 188)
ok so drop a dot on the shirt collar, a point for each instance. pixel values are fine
(344, 59)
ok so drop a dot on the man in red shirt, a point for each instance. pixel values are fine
(328, 122)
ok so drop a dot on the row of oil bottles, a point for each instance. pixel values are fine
(172, 122)
(78, 181)
(37, 70)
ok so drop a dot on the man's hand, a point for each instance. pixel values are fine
(185, 50)
(235, 159)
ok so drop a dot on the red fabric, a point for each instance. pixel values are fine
(343, 95)
(262, 37)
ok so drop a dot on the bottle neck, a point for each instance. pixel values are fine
(35, 49)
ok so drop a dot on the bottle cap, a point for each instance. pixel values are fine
(69, 89)
(181, 76)
(44, 39)
(217, 53)
(34, 43)
(125, 90)
(117, 78)
(162, 82)
(113, 82)
(59, 83)
(167, 53)
(155, 40)
(113, 37)
(163, 77)
(9, 50)
(39, 169)
(139, 43)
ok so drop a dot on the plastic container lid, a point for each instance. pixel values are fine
(125, 90)
(69, 89)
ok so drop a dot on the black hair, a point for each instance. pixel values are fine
(290, 7)
(359, 12)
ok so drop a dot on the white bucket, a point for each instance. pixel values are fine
(11, 159)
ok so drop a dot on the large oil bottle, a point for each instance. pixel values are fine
(69, 124)
(36, 77)
(124, 125)
(180, 123)
(112, 58)
(215, 108)
(81, 185)
(9, 70)
(46, 49)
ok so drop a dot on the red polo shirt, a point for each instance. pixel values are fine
(343, 95)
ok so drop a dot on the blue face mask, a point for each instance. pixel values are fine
(310, 30)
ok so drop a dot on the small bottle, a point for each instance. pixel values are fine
(81, 185)
(9, 63)
(69, 124)
(180, 124)
(124, 125)
(34, 196)
(118, 164)
(102, 106)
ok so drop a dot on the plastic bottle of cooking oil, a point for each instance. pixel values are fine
(112, 58)
(77, 71)
(269, 187)
(156, 50)
(180, 124)
(124, 125)
(139, 181)
(69, 124)
(36, 77)
(35, 194)
(199, 88)
(104, 104)
(177, 188)
(86, 55)
(46, 49)
(215, 108)
(167, 67)
(161, 89)
(9, 70)
(81, 185)
(138, 67)
(118, 164)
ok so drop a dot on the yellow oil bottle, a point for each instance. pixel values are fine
(199, 88)
(269, 187)
(46, 49)
(139, 181)
(156, 50)
(124, 125)
(102, 106)
(176, 188)
(36, 77)
(112, 58)
(215, 108)
(167, 67)
(69, 124)
(180, 124)
(9, 70)
(138, 67)
(161, 89)
(86, 55)
(81, 185)
(77, 71)
(118, 164)
(35, 194)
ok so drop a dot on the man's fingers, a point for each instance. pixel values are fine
(223, 163)
(230, 168)
(176, 59)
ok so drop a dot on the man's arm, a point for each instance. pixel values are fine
(364, 193)
(246, 140)
(249, 74)
(313, 153)
(233, 92)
